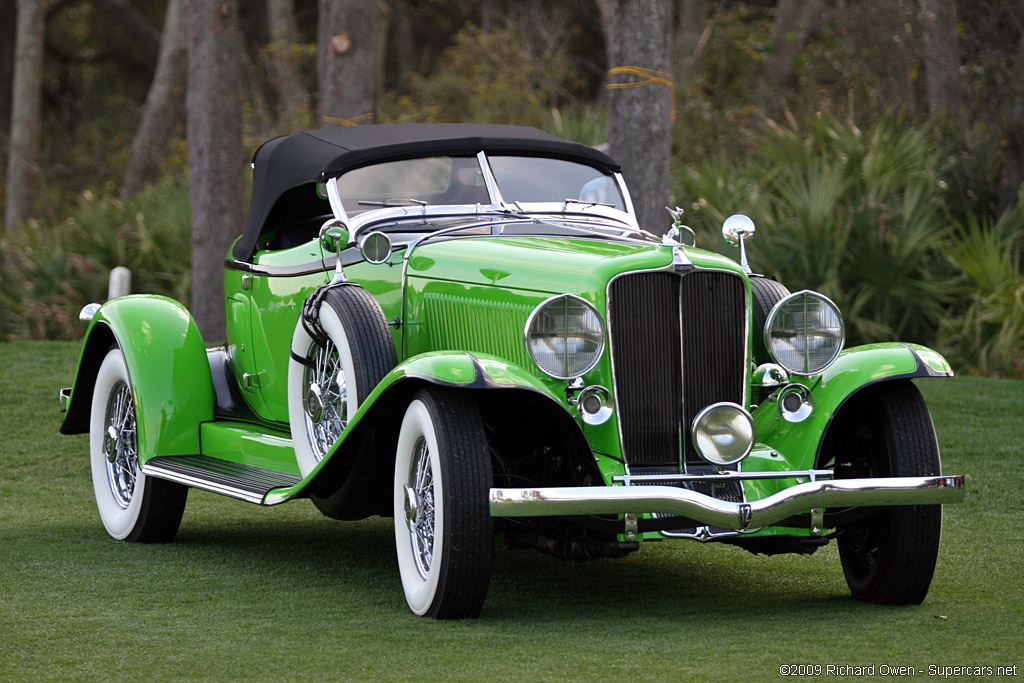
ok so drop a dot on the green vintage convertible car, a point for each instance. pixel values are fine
(464, 328)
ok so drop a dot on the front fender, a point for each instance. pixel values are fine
(856, 369)
(386, 404)
(167, 365)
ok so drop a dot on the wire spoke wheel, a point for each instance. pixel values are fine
(421, 525)
(326, 398)
(120, 445)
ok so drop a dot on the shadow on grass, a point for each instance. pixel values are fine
(305, 562)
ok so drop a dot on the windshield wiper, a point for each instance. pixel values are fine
(394, 201)
(569, 201)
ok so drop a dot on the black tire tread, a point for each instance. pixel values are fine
(373, 350)
(912, 533)
(468, 548)
(764, 293)
(163, 504)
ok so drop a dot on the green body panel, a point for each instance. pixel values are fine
(249, 444)
(547, 264)
(167, 364)
(261, 335)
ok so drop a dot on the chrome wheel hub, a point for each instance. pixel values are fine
(120, 445)
(315, 403)
(326, 399)
(419, 507)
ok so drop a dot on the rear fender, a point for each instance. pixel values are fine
(856, 369)
(167, 365)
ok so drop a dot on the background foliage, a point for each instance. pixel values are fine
(909, 221)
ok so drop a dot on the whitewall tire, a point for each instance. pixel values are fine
(132, 506)
(444, 534)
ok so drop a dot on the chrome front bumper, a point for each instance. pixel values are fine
(841, 493)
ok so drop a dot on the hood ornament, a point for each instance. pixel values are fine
(680, 263)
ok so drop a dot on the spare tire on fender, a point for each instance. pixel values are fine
(340, 351)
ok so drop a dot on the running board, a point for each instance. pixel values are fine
(233, 479)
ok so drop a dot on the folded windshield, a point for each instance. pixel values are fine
(438, 181)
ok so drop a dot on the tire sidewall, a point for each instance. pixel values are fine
(420, 593)
(331, 324)
(119, 522)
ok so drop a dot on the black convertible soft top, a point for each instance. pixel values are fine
(292, 161)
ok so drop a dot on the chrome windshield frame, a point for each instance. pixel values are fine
(497, 207)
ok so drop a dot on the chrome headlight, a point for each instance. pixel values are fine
(804, 333)
(565, 336)
(723, 433)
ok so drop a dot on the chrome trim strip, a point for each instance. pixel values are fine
(151, 470)
(602, 500)
(307, 268)
(490, 182)
(630, 211)
(334, 198)
(721, 477)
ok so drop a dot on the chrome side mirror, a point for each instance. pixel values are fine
(375, 247)
(736, 229)
(334, 236)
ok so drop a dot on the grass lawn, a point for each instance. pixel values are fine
(285, 593)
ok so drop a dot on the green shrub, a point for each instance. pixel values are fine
(986, 330)
(54, 270)
(857, 215)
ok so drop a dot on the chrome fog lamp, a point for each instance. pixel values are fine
(723, 433)
(795, 403)
(595, 404)
(804, 333)
(565, 336)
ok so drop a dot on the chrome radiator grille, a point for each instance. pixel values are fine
(679, 344)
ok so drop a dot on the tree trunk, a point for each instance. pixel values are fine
(165, 102)
(8, 34)
(794, 21)
(133, 22)
(640, 103)
(351, 38)
(282, 63)
(402, 40)
(26, 112)
(691, 36)
(214, 120)
(941, 56)
(257, 119)
(487, 13)
(1013, 156)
